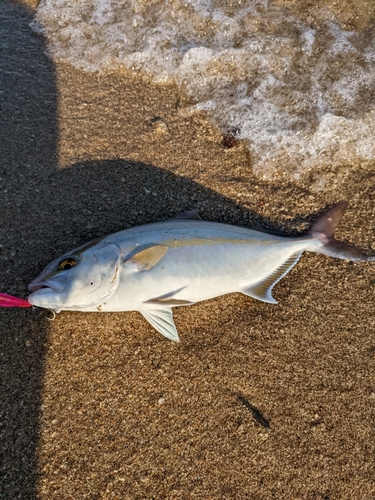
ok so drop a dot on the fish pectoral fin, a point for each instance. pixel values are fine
(169, 300)
(147, 258)
(161, 318)
(263, 289)
(189, 214)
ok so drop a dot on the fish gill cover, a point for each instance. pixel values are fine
(300, 91)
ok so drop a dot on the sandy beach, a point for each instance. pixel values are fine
(257, 401)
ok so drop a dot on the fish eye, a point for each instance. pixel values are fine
(67, 264)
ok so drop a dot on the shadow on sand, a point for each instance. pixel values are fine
(46, 211)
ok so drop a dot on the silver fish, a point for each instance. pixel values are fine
(178, 262)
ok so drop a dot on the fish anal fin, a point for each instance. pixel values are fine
(262, 290)
(147, 258)
(161, 318)
(189, 214)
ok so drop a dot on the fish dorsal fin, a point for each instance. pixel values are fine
(263, 289)
(189, 214)
(147, 258)
(168, 299)
(161, 318)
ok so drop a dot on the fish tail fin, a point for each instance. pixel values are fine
(323, 230)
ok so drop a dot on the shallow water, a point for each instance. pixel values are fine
(297, 87)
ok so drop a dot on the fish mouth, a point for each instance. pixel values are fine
(35, 288)
(53, 285)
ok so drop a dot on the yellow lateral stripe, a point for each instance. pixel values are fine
(180, 243)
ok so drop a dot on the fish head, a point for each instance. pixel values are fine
(79, 279)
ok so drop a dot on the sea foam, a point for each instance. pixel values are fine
(300, 95)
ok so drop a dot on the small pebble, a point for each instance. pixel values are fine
(230, 139)
(158, 125)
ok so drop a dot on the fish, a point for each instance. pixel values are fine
(178, 262)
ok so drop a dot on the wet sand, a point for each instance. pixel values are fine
(257, 401)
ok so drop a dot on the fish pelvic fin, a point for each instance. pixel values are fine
(323, 230)
(263, 289)
(161, 318)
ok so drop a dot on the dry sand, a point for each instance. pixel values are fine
(100, 406)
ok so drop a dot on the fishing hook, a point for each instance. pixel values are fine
(54, 316)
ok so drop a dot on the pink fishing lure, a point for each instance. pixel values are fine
(10, 301)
